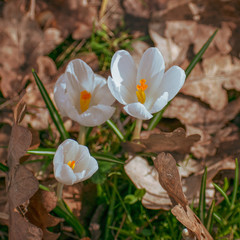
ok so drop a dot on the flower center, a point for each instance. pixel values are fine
(71, 164)
(85, 98)
(140, 91)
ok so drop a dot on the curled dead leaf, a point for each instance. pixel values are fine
(189, 219)
(169, 178)
(39, 207)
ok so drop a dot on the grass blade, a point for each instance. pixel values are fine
(198, 56)
(202, 200)
(112, 125)
(158, 116)
(110, 214)
(63, 211)
(42, 151)
(210, 216)
(223, 193)
(51, 108)
(107, 158)
(4, 168)
(235, 185)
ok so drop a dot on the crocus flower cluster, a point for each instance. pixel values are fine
(87, 98)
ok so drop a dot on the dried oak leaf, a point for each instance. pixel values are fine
(145, 176)
(175, 141)
(22, 41)
(70, 17)
(39, 207)
(209, 90)
(169, 177)
(21, 183)
(188, 218)
(221, 73)
(191, 111)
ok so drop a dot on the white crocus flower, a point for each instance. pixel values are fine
(145, 90)
(83, 96)
(73, 163)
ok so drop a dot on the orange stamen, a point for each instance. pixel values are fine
(85, 98)
(71, 164)
(140, 91)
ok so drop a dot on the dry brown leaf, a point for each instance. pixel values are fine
(39, 207)
(189, 219)
(169, 177)
(21, 229)
(221, 73)
(145, 176)
(21, 183)
(175, 141)
(70, 17)
(137, 8)
(4, 140)
(22, 42)
(210, 143)
(209, 90)
(170, 50)
(192, 112)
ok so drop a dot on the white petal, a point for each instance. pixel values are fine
(95, 115)
(138, 110)
(89, 171)
(80, 77)
(173, 81)
(160, 103)
(65, 175)
(60, 96)
(101, 93)
(114, 88)
(151, 68)
(124, 72)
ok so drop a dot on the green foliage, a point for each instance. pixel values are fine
(103, 42)
(101, 175)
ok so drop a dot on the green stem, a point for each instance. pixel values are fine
(110, 214)
(137, 130)
(82, 135)
(59, 191)
(235, 185)
(63, 211)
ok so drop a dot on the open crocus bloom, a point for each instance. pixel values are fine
(83, 96)
(145, 90)
(73, 163)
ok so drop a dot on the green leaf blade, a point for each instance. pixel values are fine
(51, 108)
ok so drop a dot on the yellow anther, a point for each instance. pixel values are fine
(71, 164)
(85, 98)
(142, 85)
(140, 91)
